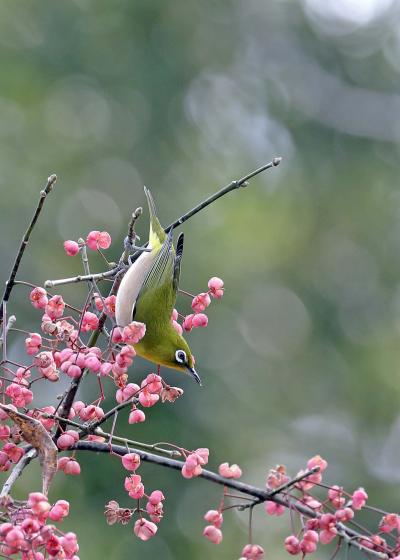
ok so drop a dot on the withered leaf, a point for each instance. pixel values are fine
(36, 435)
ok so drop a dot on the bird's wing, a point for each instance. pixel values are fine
(157, 292)
(177, 263)
(133, 281)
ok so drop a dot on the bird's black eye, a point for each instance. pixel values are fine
(180, 356)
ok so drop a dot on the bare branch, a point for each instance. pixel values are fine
(225, 190)
(24, 242)
(17, 471)
(351, 536)
(81, 278)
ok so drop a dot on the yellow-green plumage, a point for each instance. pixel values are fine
(148, 294)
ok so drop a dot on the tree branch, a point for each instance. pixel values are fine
(350, 536)
(225, 190)
(24, 242)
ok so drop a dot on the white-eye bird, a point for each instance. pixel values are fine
(148, 293)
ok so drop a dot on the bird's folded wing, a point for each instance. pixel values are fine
(158, 292)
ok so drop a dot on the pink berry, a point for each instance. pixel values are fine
(71, 248)
(199, 320)
(131, 461)
(213, 534)
(216, 287)
(144, 529)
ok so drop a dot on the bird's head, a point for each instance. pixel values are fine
(180, 357)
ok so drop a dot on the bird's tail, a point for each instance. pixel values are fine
(157, 234)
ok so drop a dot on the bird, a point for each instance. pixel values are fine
(147, 294)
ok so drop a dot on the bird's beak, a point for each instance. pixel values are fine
(194, 374)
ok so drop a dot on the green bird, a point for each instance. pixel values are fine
(148, 293)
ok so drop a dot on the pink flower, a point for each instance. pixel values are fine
(308, 544)
(20, 395)
(131, 461)
(201, 302)
(214, 517)
(33, 343)
(335, 495)
(359, 498)
(216, 287)
(272, 508)
(4, 431)
(156, 496)
(55, 307)
(292, 545)
(309, 482)
(59, 510)
(72, 467)
(134, 486)
(213, 534)
(13, 452)
(38, 297)
(71, 248)
(388, 522)
(175, 315)
(253, 552)
(38, 503)
(194, 462)
(110, 304)
(136, 416)
(67, 439)
(327, 524)
(131, 390)
(105, 368)
(276, 477)
(132, 333)
(15, 538)
(98, 240)
(116, 336)
(148, 399)
(177, 327)
(144, 529)
(92, 362)
(90, 322)
(70, 545)
(317, 461)
(155, 511)
(152, 383)
(345, 514)
(199, 320)
(187, 324)
(125, 357)
(73, 370)
(227, 471)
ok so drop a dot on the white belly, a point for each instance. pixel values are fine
(130, 287)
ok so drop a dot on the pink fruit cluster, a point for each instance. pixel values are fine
(95, 240)
(64, 348)
(32, 537)
(194, 462)
(143, 528)
(200, 302)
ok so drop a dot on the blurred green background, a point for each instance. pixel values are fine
(302, 354)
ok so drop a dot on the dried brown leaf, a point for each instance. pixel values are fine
(36, 435)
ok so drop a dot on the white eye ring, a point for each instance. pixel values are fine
(180, 356)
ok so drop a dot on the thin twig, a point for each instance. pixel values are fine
(131, 237)
(25, 240)
(225, 190)
(129, 442)
(17, 471)
(81, 278)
